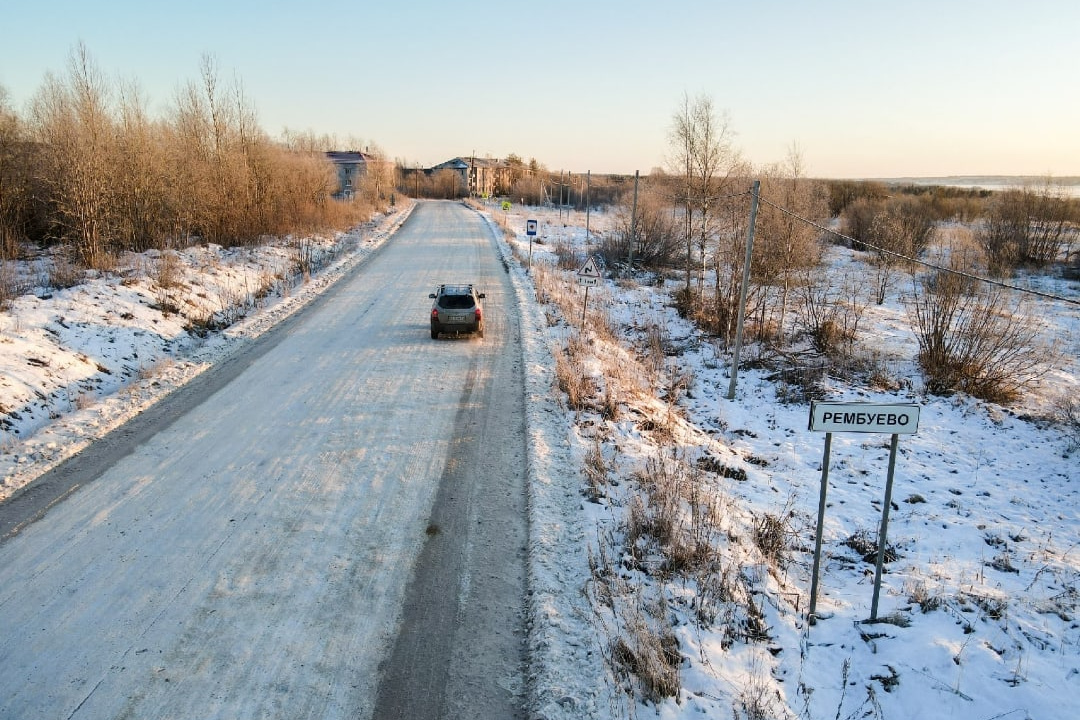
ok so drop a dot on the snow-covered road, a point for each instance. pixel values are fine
(253, 557)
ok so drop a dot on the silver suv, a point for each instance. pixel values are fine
(456, 310)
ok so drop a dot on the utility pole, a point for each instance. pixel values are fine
(742, 292)
(561, 172)
(633, 222)
(588, 191)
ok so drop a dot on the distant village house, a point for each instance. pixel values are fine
(354, 167)
(483, 177)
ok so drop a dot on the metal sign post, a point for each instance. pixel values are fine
(868, 418)
(530, 230)
(820, 523)
(883, 533)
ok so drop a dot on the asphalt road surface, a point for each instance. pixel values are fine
(331, 524)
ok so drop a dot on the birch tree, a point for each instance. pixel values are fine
(703, 154)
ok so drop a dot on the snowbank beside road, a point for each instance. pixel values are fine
(79, 362)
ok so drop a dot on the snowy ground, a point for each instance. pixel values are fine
(980, 601)
(982, 595)
(77, 362)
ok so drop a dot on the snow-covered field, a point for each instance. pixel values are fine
(981, 597)
(980, 600)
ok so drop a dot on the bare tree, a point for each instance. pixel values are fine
(16, 185)
(705, 162)
(786, 246)
(139, 177)
(73, 122)
(704, 156)
(91, 170)
(379, 177)
(682, 138)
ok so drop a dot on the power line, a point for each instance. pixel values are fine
(924, 263)
(698, 198)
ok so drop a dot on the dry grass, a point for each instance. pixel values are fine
(63, 272)
(680, 527)
(647, 650)
(596, 471)
(572, 376)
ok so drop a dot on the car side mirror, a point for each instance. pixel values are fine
(431, 295)
(481, 295)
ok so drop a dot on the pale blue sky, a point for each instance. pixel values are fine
(864, 88)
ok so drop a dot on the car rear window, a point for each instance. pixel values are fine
(456, 302)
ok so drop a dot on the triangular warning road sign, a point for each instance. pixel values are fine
(589, 269)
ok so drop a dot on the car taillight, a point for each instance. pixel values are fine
(478, 313)
(434, 313)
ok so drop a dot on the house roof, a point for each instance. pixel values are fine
(461, 163)
(347, 157)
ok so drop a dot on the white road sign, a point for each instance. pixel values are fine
(589, 269)
(530, 227)
(864, 417)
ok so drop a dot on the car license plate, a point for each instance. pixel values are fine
(459, 318)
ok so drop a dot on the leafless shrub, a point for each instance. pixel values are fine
(168, 278)
(654, 348)
(865, 544)
(801, 381)
(651, 239)
(993, 606)
(830, 312)
(772, 537)
(758, 699)
(663, 481)
(974, 339)
(890, 227)
(105, 177)
(565, 257)
(919, 593)
(1030, 226)
(167, 272)
(1067, 413)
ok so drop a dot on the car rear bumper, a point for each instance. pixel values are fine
(455, 328)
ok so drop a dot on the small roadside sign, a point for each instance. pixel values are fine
(864, 417)
(589, 275)
(530, 227)
(589, 270)
(896, 419)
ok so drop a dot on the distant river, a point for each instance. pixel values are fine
(1068, 185)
